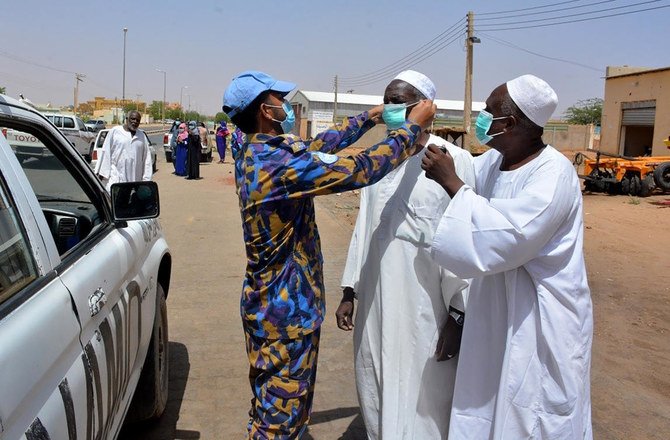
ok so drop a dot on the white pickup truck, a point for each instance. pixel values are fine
(84, 278)
(75, 131)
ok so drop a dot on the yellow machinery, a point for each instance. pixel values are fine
(637, 176)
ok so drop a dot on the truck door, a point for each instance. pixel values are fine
(42, 366)
(97, 265)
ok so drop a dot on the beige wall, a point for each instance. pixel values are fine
(643, 86)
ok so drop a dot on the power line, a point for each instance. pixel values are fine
(528, 9)
(442, 36)
(381, 75)
(549, 11)
(536, 20)
(574, 20)
(32, 63)
(426, 56)
(514, 46)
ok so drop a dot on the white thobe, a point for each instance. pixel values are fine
(524, 369)
(403, 300)
(125, 157)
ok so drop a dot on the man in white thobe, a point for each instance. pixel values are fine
(404, 297)
(529, 327)
(125, 154)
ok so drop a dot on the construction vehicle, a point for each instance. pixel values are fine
(614, 174)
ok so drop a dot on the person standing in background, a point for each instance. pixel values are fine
(180, 142)
(125, 154)
(221, 134)
(194, 148)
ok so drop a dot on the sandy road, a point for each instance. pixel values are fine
(626, 251)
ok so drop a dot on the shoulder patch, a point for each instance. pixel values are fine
(326, 158)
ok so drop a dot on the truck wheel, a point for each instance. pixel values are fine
(625, 185)
(88, 157)
(151, 394)
(647, 185)
(209, 156)
(168, 157)
(662, 176)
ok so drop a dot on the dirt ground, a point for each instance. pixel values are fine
(626, 243)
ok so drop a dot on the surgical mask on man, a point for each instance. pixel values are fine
(394, 115)
(289, 121)
(483, 125)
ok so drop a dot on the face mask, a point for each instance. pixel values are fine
(394, 115)
(289, 121)
(483, 125)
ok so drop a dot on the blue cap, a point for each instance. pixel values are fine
(247, 86)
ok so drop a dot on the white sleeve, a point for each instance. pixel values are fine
(104, 166)
(352, 268)
(465, 168)
(497, 235)
(454, 290)
(148, 164)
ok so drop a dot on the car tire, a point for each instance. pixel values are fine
(210, 157)
(168, 157)
(151, 394)
(89, 157)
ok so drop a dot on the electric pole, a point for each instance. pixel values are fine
(78, 77)
(335, 103)
(467, 102)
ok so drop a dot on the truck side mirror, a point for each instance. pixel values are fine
(134, 201)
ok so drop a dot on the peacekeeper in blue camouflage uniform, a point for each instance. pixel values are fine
(278, 174)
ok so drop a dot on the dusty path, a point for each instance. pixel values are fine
(626, 250)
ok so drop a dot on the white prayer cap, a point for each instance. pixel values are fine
(534, 97)
(420, 82)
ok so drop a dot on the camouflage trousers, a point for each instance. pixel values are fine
(282, 374)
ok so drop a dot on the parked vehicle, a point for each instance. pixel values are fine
(84, 278)
(100, 140)
(75, 131)
(96, 124)
(25, 145)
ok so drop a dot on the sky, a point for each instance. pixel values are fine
(201, 45)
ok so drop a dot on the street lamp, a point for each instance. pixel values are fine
(123, 94)
(181, 107)
(163, 106)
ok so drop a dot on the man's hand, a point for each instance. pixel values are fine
(439, 166)
(449, 342)
(375, 113)
(345, 311)
(423, 113)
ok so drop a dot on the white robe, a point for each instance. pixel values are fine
(403, 300)
(524, 369)
(125, 157)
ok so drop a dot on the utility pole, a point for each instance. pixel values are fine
(335, 103)
(467, 102)
(78, 77)
(123, 93)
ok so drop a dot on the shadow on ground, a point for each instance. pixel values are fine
(355, 430)
(166, 427)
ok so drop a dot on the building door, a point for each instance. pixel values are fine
(637, 127)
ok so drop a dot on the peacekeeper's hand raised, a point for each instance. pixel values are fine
(423, 113)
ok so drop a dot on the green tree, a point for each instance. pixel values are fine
(2, 90)
(588, 111)
(155, 110)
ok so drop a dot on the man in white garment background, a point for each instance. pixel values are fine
(526, 370)
(403, 326)
(125, 154)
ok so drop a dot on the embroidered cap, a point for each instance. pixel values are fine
(534, 97)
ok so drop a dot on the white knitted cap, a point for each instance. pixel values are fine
(420, 82)
(534, 97)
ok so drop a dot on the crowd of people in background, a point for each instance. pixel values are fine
(187, 140)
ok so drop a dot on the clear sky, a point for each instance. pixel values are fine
(203, 44)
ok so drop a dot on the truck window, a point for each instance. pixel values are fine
(69, 204)
(68, 122)
(57, 120)
(17, 265)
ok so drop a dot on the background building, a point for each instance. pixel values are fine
(636, 111)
